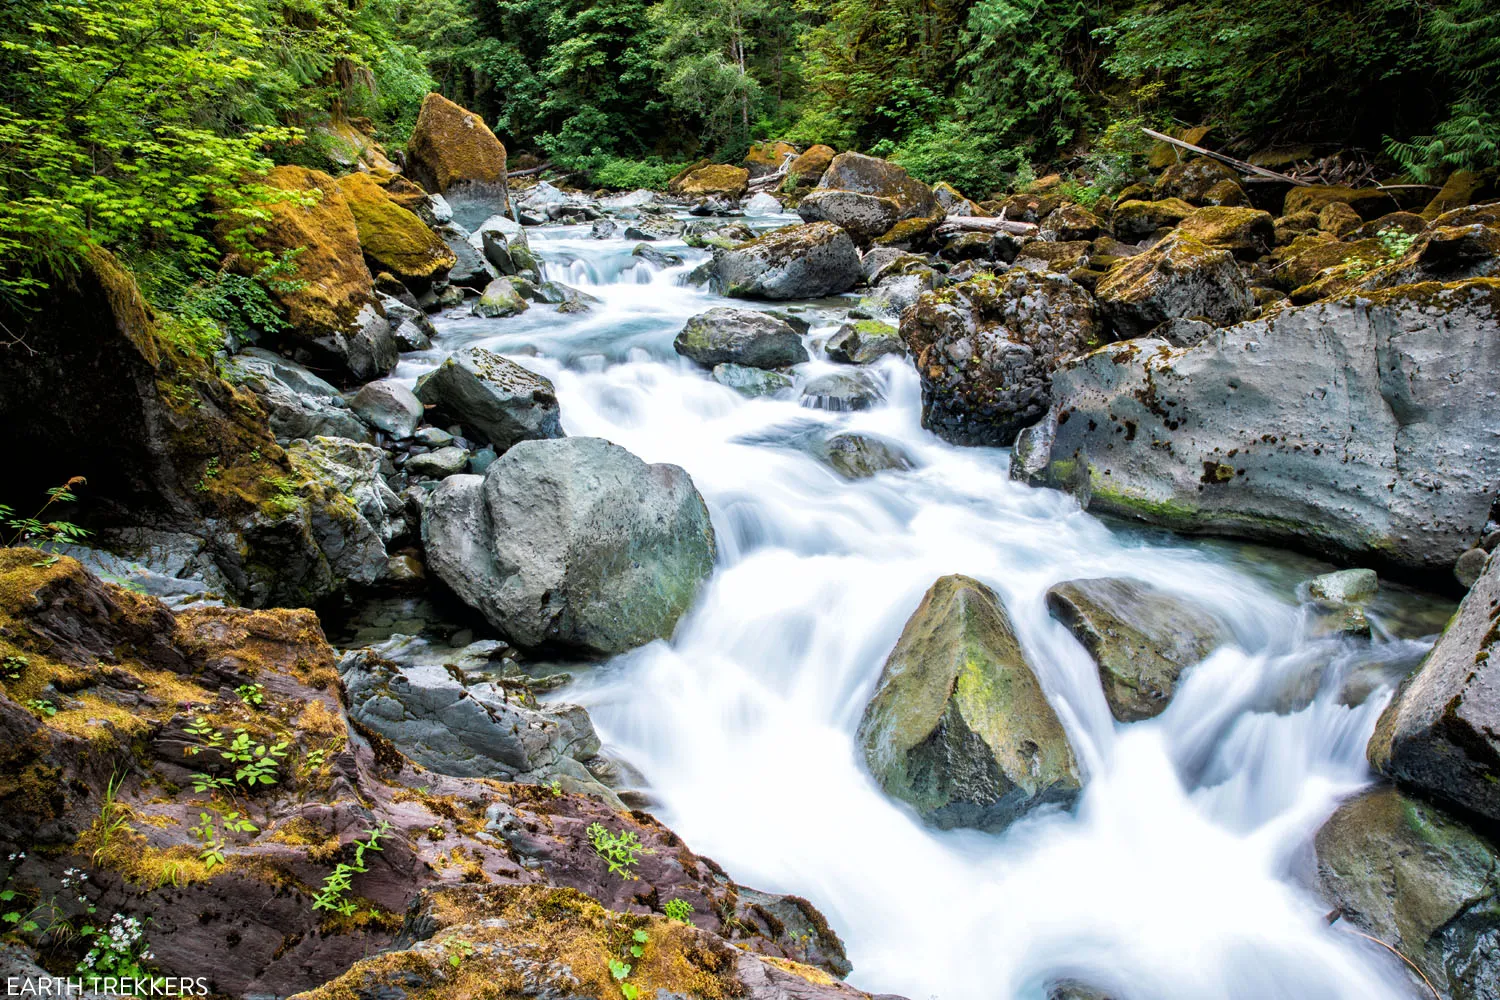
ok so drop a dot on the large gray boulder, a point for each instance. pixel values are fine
(499, 399)
(574, 543)
(870, 175)
(1363, 428)
(1141, 637)
(470, 729)
(1179, 278)
(298, 403)
(1440, 735)
(986, 349)
(958, 727)
(388, 406)
(352, 512)
(742, 337)
(1423, 882)
(798, 262)
(862, 216)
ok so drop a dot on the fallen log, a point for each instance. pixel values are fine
(529, 170)
(1240, 165)
(984, 224)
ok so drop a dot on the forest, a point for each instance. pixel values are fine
(140, 125)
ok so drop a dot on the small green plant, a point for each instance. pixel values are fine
(315, 757)
(211, 471)
(212, 852)
(42, 707)
(458, 949)
(679, 910)
(285, 497)
(119, 950)
(257, 763)
(12, 667)
(1395, 242)
(635, 947)
(253, 695)
(34, 528)
(336, 885)
(112, 816)
(618, 850)
(555, 787)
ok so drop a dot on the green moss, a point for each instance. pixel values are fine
(392, 238)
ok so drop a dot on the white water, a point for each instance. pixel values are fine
(1174, 876)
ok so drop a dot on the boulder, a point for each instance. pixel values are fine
(1247, 232)
(1179, 278)
(1072, 222)
(499, 399)
(881, 178)
(808, 168)
(333, 322)
(441, 463)
(1248, 434)
(298, 404)
(767, 157)
(352, 512)
(958, 727)
(742, 337)
(500, 298)
(410, 327)
(762, 203)
(1141, 637)
(1133, 220)
(842, 391)
(1422, 882)
(1368, 202)
(862, 216)
(1228, 193)
(388, 406)
(574, 543)
(1461, 188)
(798, 262)
(1344, 587)
(1191, 180)
(863, 342)
(716, 179)
(393, 239)
(1440, 735)
(859, 456)
(453, 153)
(985, 350)
(471, 269)
(751, 382)
(654, 228)
(1338, 219)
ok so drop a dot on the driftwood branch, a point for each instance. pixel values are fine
(1240, 165)
(984, 224)
(529, 170)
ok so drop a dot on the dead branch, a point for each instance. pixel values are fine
(1240, 165)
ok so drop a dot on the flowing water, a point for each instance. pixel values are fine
(1181, 872)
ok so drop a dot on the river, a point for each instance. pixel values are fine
(1183, 871)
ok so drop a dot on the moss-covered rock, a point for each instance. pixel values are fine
(1368, 202)
(1073, 222)
(767, 157)
(1338, 219)
(1192, 179)
(719, 179)
(912, 234)
(500, 298)
(797, 262)
(862, 216)
(1245, 232)
(1463, 187)
(1133, 220)
(1179, 278)
(1423, 882)
(1227, 192)
(1141, 637)
(808, 168)
(871, 175)
(452, 152)
(958, 727)
(1164, 154)
(392, 237)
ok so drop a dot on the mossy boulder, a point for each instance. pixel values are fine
(1192, 179)
(393, 239)
(1141, 637)
(1338, 219)
(958, 727)
(1179, 278)
(1072, 222)
(1462, 187)
(1368, 202)
(767, 157)
(808, 168)
(500, 298)
(1227, 192)
(1245, 232)
(912, 234)
(1316, 266)
(986, 348)
(452, 152)
(881, 178)
(1132, 220)
(1423, 882)
(864, 342)
(798, 262)
(745, 337)
(715, 179)
(334, 322)
(1164, 154)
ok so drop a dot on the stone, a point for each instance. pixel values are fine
(1191, 180)
(762, 203)
(470, 270)
(298, 404)
(1248, 434)
(1141, 637)
(842, 391)
(1460, 189)
(808, 167)
(1247, 232)
(871, 175)
(410, 327)
(716, 179)
(1132, 220)
(452, 152)
(958, 727)
(1338, 219)
(1179, 278)
(388, 406)
(1440, 735)
(501, 298)
(352, 512)
(986, 349)
(864, 342)
(1368, 202)
(1072, 222)
(1227, 193)
(767, 157)
(439, 464)
(1419, 880)
(1181, 332)
(862, 216)
(740, 336)
(654, 228)
(751, 382)
(1345, 587)
(1469, 566)
(574, 543)
(798, 262)
(393, 239)
(855, 455)
(502, 401)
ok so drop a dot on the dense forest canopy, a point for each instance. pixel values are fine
(140, 124)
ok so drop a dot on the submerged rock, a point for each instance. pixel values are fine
(751, 382)
(1423, 882)
(958, 727)
(500, 298)
(1141, 637)
(799, 262)
(1440, 735)
(498, 398)
(842, 391)
(858, 456)
(742, 337)
(574, 543)
(1360, 428)
(863, 342)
